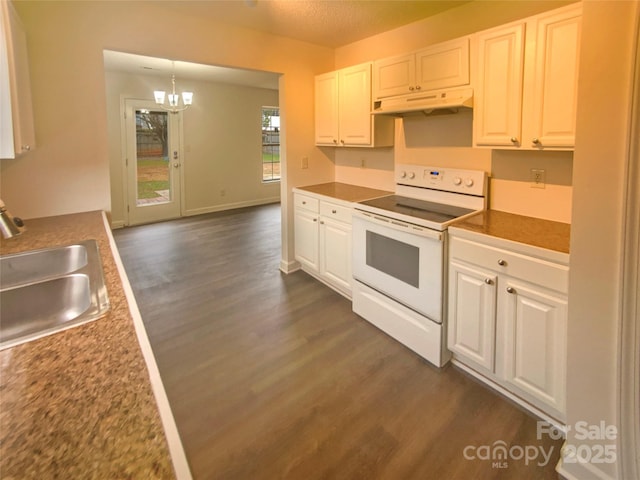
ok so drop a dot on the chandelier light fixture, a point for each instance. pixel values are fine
(173, 97)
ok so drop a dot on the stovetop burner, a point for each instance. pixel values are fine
(413, 207)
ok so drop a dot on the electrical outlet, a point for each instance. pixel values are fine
(305, 162)
(362, 162)
(537, 178)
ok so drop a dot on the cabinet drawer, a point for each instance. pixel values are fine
(308, 203)
(337, 212)
(534, 270)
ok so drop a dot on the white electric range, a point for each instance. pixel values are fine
(399, 253)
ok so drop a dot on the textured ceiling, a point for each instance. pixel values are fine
(331, 23)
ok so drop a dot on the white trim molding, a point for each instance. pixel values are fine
(230, 206)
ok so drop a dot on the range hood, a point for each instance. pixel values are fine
(429, 102)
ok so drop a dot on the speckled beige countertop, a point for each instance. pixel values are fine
(344, 191)
(518, 228)
(79, 404)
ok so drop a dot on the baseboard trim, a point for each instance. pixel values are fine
(231, 206)
(289, 266)
(117, 224)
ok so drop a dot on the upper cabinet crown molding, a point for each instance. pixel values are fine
(526, 89)
(18, 113)
(343, 110)
(444, 65)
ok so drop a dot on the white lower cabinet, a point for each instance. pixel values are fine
(507, 319)
(323, 240)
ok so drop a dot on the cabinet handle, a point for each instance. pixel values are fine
(535, 141)
(502, 262)
(514, 140)
(511, 290)
(488, 281)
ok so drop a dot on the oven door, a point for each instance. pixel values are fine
(400, 260)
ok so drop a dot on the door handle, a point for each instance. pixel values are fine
(176, 165)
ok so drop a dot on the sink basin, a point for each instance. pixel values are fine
(46, 291)
(29, 267)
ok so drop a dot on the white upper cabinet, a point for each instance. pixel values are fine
(551, 118)
(444, 65)
(526, 90)
(343, 110)
(17, 113)
(498, 94)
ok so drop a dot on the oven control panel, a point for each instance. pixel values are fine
(471, 182)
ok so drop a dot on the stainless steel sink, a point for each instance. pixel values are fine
(46, 291)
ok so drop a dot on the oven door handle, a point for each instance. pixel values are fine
(398, 225)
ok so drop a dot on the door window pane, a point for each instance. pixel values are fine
(152, 157)
(270, 144)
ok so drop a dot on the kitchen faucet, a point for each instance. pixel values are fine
(9, 225)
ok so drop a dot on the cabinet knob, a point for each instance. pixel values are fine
(342, 142)
(315, 219)
(511, 290)
(335, 141)
(412, 88)
(334, 211)
(321, 222)
(488, 281)
(26, 147)
(502, 262)
(418, 87)
(535, 141)
(304, 202)
(514, 140)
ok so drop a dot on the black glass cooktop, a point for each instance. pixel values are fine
(431, 211)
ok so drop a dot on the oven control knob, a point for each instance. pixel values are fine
(469, 182)
(403, 175)
(457, 181)
(412, 175)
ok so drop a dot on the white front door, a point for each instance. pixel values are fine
(153, 162)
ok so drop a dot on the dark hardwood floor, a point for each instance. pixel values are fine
(273, 376)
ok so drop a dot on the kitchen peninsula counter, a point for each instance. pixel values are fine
(344, 191)
(536, 232)
(80, 403)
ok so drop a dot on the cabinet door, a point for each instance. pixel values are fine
(19, 81)
(532, 325)
(498, 109)
(306, 238)
(555, 80)
(472, 314)
(444, 65)
(335, 253)
(394, 76)
(326, 113)
(355, 105)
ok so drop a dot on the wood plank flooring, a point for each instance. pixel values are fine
(272, 376)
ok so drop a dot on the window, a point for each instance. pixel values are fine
(270, 144)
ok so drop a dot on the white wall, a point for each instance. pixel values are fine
(599, 175)
(222, 143)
